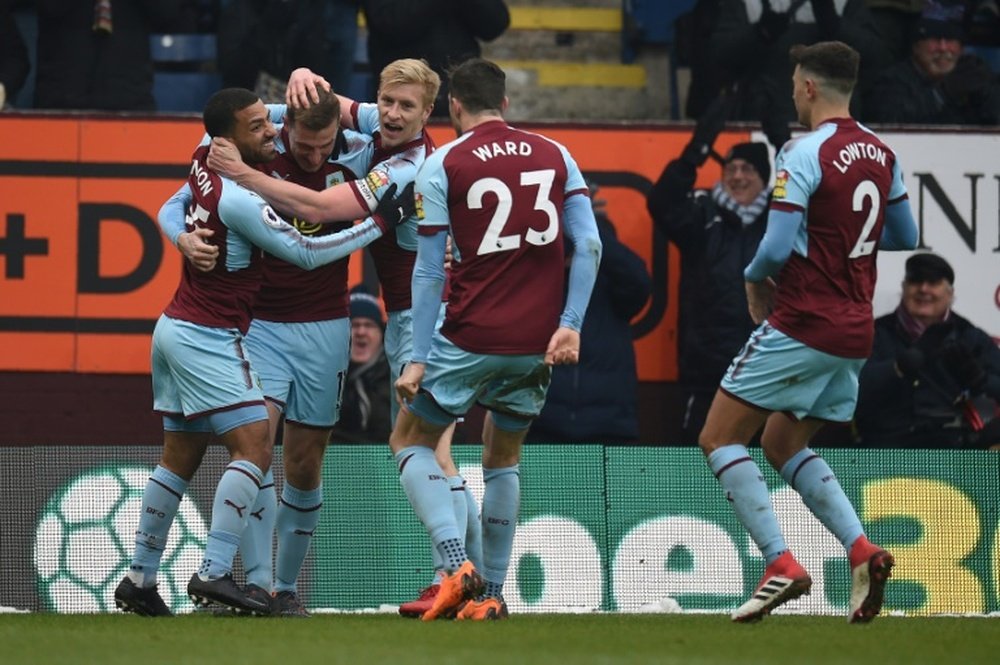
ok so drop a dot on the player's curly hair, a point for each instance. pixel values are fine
(219, 115)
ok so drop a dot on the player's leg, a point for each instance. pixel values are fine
(257, 542)
(316, 358)
(459, 497)
(785, 442)
(514, 396)
(268, 349)
(161, 498)
(463, 501)
(184, 447)
(730, 423)
(298, 511)
(245, 434)
(503, 436)
(414, 437)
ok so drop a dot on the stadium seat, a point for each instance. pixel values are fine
(184, 74)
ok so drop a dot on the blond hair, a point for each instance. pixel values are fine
(410, 70)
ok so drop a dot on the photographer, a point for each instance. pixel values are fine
(928, 368)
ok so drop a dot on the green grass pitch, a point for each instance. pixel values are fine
(524, 639)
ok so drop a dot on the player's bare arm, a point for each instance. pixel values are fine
(564, 347)
(334, 204)
(760, 298)
(195, 247)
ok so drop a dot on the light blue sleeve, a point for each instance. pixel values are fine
(173, 214)
(797, 169)
(401, 172)
(900, 229)
(276, 112)
(897, 189)
(783, 227)
(431, 188)
(428, 287)
(250, 216)
(368, 118)
(581, 228)
(574, 178)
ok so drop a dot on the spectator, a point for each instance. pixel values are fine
(95, 55)
(936, 84)
(595, 401)
(14, 61)
(752, 38)
(442, 32)
(364, 411)
(717, 232)
(927, 367)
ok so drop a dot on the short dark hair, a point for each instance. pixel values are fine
(220, 111)
(318, 115)
(479, 84)
(836, 62)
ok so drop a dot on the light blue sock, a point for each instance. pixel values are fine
(457, 486)
(745, 488)
(809, 475)
(234, 497)
(473, 529)
(257, 543)
(298, 516)
(427, 489)
(501, 502)
(160, 501)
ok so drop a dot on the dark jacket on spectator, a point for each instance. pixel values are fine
(364, 408)
(442, 32)
(80, 68)
(970, 95)
(715, 247)
(14, 61)
(595, 400)
(923, 411)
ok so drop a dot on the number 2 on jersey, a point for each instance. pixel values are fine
(493, 241)
(866, 189)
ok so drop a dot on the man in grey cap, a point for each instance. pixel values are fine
(932, 374)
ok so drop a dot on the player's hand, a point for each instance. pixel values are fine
(449, 255)
(393, 210)
(564, 347)
(301, 91)
(224, 158)
(409, 381)
(760, 299)
(195, 247)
